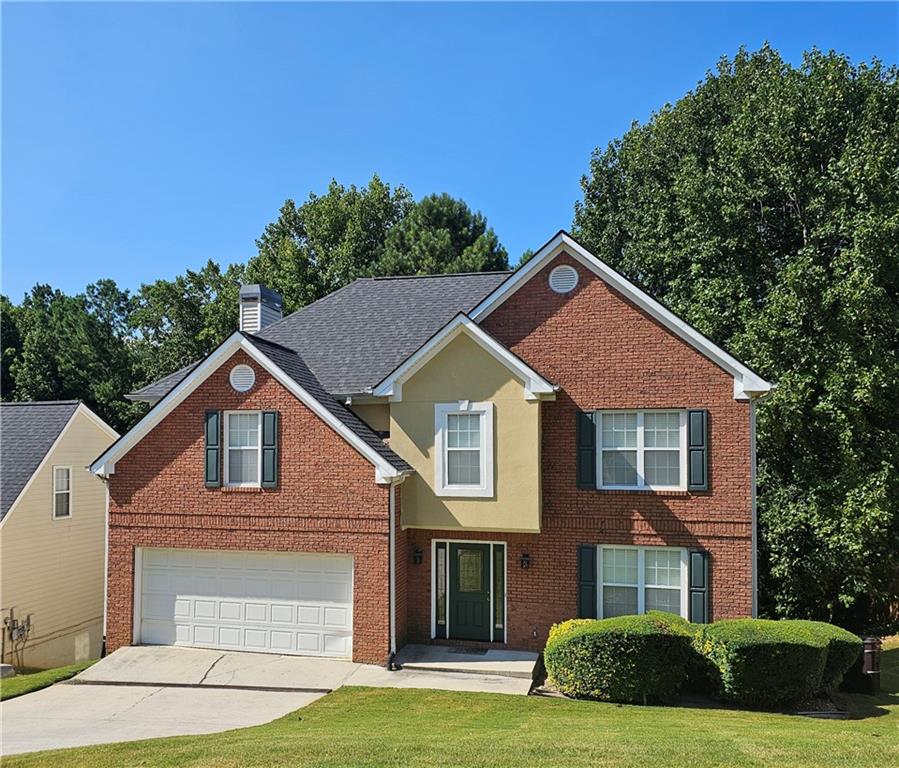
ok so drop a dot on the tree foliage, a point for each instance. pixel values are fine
(101, 344)
(763, 207)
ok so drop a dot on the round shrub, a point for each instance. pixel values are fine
(628, 658)
(843, 649)
(762, 663)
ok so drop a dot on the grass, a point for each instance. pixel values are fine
(390, 727)
(34, 681)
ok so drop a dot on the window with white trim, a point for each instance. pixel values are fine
(243, 440)
(642, 450)
(639, 579)
(62, 492)
(463, 440)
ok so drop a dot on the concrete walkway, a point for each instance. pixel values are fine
(152, 691)
(437, 658)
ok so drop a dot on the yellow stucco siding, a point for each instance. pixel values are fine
(376, 415)
(53, 569)
(463, 370)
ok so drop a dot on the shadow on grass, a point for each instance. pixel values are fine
(861, 707)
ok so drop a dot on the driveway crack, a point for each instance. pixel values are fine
(211, 667)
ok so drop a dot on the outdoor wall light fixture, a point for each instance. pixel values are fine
(525, 560)
(417, 556)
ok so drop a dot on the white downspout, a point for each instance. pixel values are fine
(105, 561)
(391, 547)
(754, 512)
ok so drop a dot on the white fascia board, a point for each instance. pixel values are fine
(82, 408)
(105, 465)
(747, 384)
(535, 386)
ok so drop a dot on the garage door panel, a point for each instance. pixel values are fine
(247, 601)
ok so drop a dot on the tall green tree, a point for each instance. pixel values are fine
(176, 322)
(763, 207)
(10, 343)
(315, 248)
(441, 234)
(76, 347)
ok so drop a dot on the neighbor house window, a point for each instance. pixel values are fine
(242, 463)
(642, 449)
(640, 579)
(62, 492)
(464, 448)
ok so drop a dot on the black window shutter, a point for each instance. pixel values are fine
(586, 449)
(213, 432)
(698, 450)
(586, 581)
(270, 449)
(699, 587)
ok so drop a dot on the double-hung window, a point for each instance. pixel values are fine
(464, 448)
(62, 492)
(642, 450)
(640, 579)
(243, 433)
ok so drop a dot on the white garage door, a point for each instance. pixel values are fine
(247, 601)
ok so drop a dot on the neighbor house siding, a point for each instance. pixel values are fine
(606, 353)
(53, 569)
(327, 501)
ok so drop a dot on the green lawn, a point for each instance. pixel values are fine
(34, 681)
(383, 727)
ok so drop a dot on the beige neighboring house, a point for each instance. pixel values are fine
(52, 533)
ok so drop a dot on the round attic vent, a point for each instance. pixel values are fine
(242, 378)
(563, 279)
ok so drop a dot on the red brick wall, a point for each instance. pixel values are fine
(605, 353)
(327, 501)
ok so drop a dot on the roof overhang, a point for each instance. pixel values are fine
(105, 464)
(747, 383)
(535, 386)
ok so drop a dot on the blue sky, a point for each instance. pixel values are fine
(139, 140)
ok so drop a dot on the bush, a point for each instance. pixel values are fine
(628, 658)
(762, 663)
(843, 649)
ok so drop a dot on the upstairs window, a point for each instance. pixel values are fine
(62, 492)
(642, 450)
(464, 449)
(243, 460)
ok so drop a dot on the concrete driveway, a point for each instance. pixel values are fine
(152, 691)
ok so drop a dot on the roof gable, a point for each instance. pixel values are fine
(747, 383)
(29, 432)
(289, 369)
(535, 386)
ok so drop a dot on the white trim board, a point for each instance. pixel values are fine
(747, 384)
(105, 465)
(535, 386)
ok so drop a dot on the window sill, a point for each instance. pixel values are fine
(646, 491)
(242, 489)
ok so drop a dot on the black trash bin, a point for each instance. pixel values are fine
(864, 675)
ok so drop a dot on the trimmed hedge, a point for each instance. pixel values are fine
(843, 649)
(627, 658)
(763, 663)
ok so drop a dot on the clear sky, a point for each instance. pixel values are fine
(139, 140)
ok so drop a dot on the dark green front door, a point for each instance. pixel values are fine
(469, 594)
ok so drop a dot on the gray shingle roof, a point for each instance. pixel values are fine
(160, 388)
(354, 337)
(292, 364)
(27, 431)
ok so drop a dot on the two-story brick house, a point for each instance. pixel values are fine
(458, 458)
